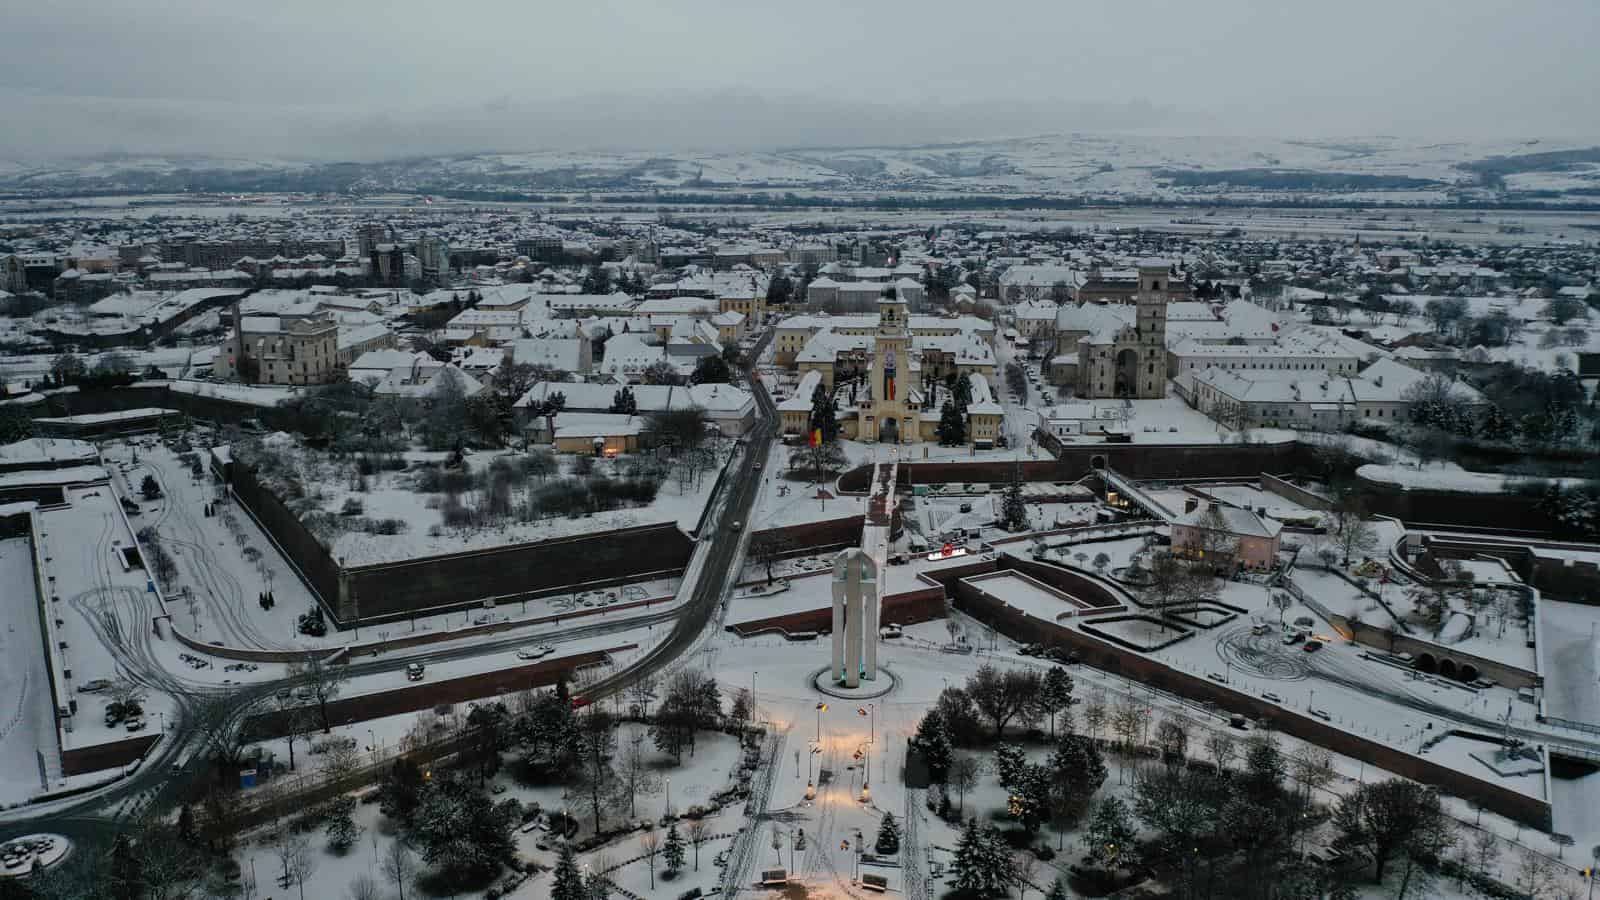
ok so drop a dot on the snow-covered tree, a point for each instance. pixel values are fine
(888, 842)
(460, 830)
(1029, 802)
(1108, 841)
(1055, 698)
(568, 882)
(1013, 509)
(933, 742)
(982, 861)
(672, 850)
(1009, 761)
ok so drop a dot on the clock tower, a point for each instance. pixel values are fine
(890, 418)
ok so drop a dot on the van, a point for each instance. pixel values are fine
(414, 671)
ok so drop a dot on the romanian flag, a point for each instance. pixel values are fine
(816, 437)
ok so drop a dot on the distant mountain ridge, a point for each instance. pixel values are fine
(1057, 165)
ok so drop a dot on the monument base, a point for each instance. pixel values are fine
(827, 683)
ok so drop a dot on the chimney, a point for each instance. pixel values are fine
(1190, 504)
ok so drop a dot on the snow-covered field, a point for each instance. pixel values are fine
(328, 486)
(27, 714)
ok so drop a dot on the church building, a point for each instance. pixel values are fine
(1117, 351)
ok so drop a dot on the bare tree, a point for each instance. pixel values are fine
(1023, 867)
(640, 693)
(323, 680)
(699, 831)
(1221, 749)
(303, 865)
(963, 776)
(767, 547)
(340, 760)
(287, 849)
(633, 771)
(364, 887)
(1535, 873)
(650, 845)
(1095, 714)
(1312, 766)
(298, 723)
(399, 866)
(126, 692)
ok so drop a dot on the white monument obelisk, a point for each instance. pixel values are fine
(855, 615)
(856, 584)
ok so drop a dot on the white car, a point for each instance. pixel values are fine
(530, 653)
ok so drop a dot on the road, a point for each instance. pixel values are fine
(205, 709)
(721, 546)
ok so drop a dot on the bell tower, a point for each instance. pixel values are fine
(1151, 319)
(889, 418)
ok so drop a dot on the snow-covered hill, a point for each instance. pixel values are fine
(1099, 165)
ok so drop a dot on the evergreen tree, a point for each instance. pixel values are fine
(711, 370)
(596, 887)
(398, 794)
(982, 861)
(952, 429)
(1029, 803)
(888, 842)
(623, 402)
(1108, 841)
(1055, 698)
(1009, 763)
(124, 881)
(932, 740)
(672, 848)
(568, 884)
(597, 280)
(1013, 509)
(342, 830)
(1078, 770)
(461, 830)
(824, 414)
(1058, 890)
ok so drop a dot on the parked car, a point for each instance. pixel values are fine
(1312, 646)
(414, 671)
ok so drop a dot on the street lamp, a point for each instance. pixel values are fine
(872, 730)
(669, 797)
(821, 708)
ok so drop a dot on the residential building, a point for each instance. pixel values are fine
(280, 350)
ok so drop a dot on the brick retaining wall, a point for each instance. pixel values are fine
(428, 694)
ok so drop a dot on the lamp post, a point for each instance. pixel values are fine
(753, 716)
(669, 797)
(872, 730)
(821, 708)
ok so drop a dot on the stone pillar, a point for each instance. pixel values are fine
(855, 599)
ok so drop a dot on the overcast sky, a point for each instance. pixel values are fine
(366, 79)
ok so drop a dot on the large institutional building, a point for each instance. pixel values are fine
(1118, 354)
(889, 372)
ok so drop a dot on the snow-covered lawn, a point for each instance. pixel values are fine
(335, 489)
(27, 714)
